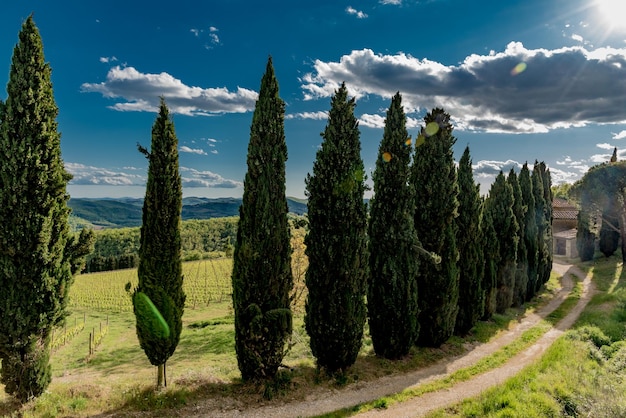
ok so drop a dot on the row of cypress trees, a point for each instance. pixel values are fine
(431, 257)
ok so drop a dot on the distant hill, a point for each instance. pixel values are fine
(127, 212)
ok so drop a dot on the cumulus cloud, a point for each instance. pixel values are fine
(194, 178)
(619, 135)
(90, 175)
(358, 13)
(378, 121)
(321, 115)
(491, 168)
(198, 151)
(605, 146)
(139, 92)
(517, 90)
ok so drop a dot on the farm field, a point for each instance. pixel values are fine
(117, 379)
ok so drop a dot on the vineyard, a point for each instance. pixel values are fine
(205, 281)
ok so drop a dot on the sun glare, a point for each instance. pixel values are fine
(612, 12)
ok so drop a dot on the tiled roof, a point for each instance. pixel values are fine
(565, 214)
(558, 202)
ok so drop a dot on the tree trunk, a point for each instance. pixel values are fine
(160, 376)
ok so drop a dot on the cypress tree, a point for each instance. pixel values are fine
(491, 256)
(160, 266)
(585, 239)
(471, 264)
(540, 218)
(433, 177)
(37, 250)
(548, 247)
(392, 293)
(499, 204)
(262, 278)
(519, 211)
(336, 244)
(530, 234)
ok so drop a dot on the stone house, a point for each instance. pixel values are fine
(564, 224)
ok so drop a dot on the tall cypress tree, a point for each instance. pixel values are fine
(160, 266)
(37, 250)
(262, 277)
(530, 234)
(609, 229)
(546, 178)
(336, 244)
(433, 178)
(542, 224)
(491, 256)
(499, 204)
(519, 211)
(471, 262)
(394, 265)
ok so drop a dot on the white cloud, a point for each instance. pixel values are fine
(198, 151)
(106, 60)
(378, 121)
(605, 146)
(518, 90)
(358, 13)
(394, 2)
(140, 93)
(320, 115)
(214, 151)
(619, 135)
(90, 175)
(577, 38)
(195, 178)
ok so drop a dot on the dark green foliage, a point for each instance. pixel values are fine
(394, 263)
(609, 230)
(433, 178)
(602, 185)
(530, 231)
(499, 205)
(540, 219)
(519, 211)
(336, 244)
(491, 255)
(469, 243)
(37, 250)
(160, 266)
(543, 211)
(262, 277)
(585, 239)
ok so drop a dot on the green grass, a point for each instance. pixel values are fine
(118, 378)
(581, 374)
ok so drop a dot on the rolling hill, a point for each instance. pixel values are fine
(127, 212)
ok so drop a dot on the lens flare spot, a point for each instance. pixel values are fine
(519, 68)
(431, 129)
(386, 157)
(420, 140)
(407, 143)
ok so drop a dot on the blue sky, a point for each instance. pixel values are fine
(522, 80)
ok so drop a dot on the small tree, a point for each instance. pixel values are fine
(585, 238)
(433, 179)
(262, 277)
(37, 249)
(336, 243)
(530, 231)
(160, 265)
(392, 294)
(471, 262)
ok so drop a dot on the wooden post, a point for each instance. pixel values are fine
(90, 349)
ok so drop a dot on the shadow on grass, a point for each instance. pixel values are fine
(9, 406)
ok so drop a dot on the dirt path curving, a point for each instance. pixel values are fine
(324, 401)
